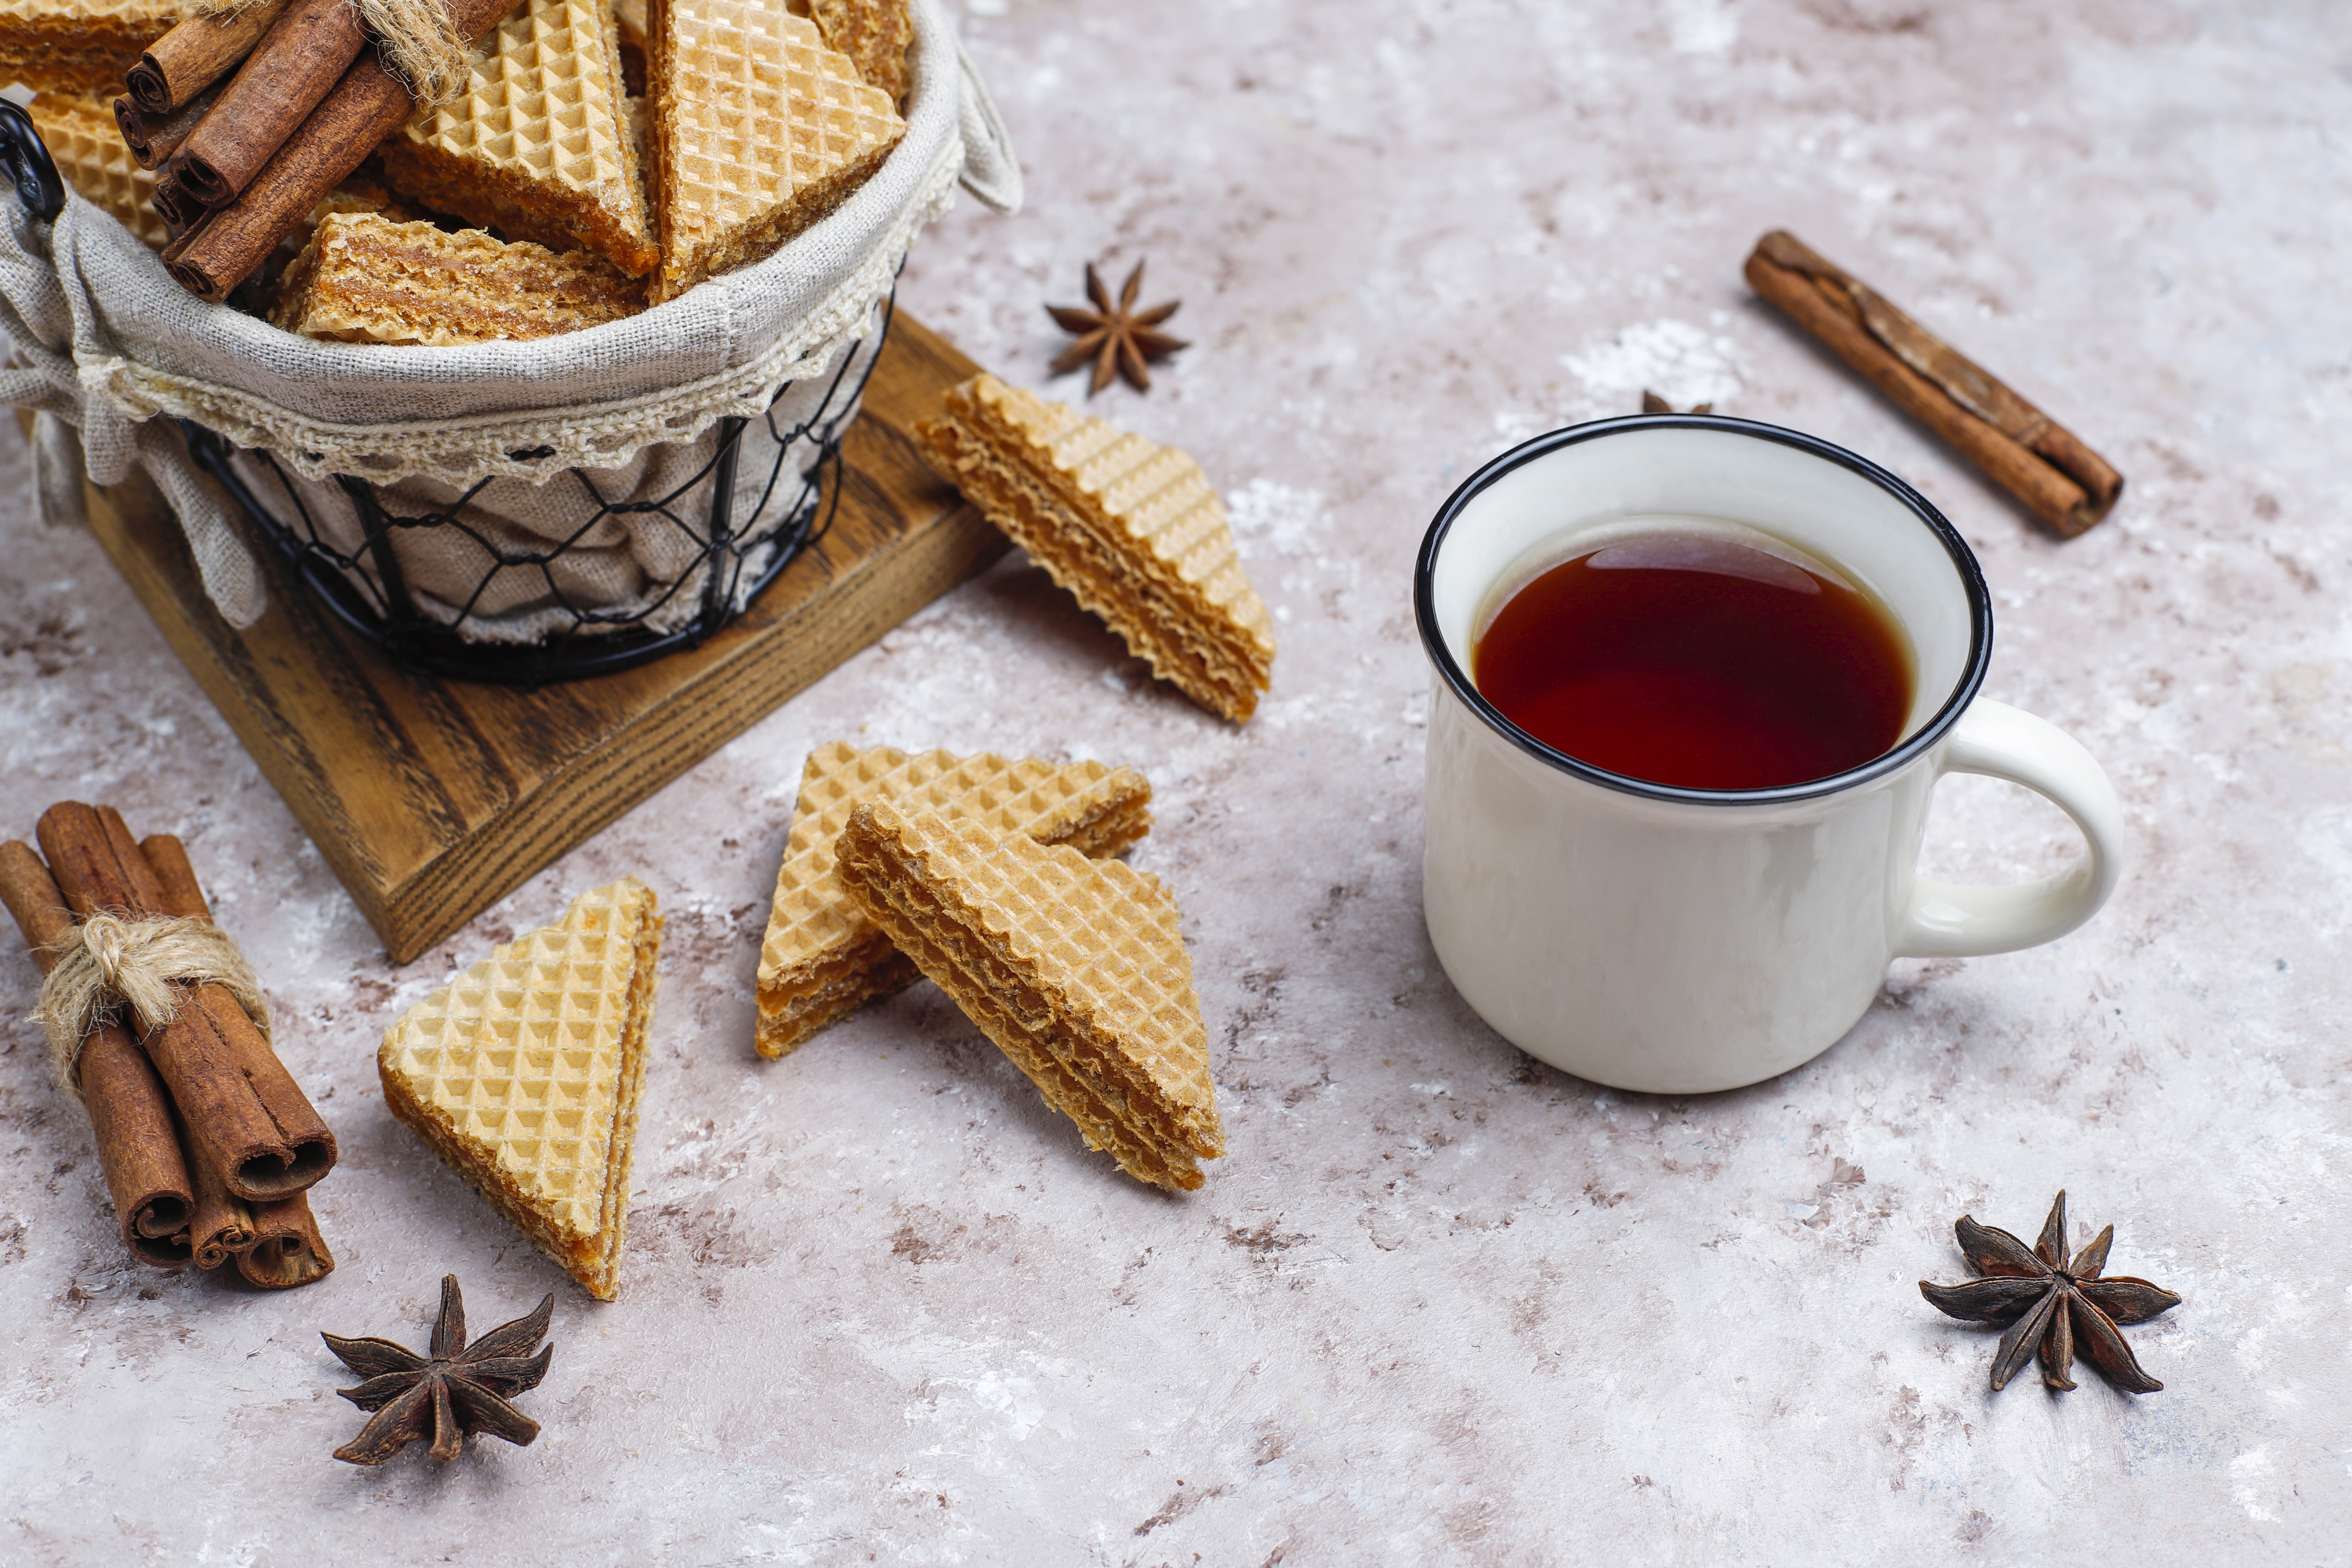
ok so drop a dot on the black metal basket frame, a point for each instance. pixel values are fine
(368, 592)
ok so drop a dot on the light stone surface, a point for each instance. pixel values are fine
(1440, 1304)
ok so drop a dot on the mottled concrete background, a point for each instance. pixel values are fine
(1441, 1304)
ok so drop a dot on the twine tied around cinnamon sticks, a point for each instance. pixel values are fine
(208, 1143)
(106, 964)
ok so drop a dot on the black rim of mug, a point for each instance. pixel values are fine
(1964, 562)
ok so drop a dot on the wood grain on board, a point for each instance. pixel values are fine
(432, 798)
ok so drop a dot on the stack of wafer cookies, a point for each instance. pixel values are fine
(994, 879)
(760, 117)
(823, 959)
(1075, 968)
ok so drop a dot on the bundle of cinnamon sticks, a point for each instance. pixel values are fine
(208, 1143)
(243, 158)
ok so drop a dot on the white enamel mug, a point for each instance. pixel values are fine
(1677, 941)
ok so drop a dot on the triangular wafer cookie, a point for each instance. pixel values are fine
(1075, 968)
(1130, 527)
(759, 130)
(523, 1075)
(538, 145)
(823, 959)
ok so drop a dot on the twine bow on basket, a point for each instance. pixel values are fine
(107, 963)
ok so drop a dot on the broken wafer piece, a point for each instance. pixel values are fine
(1075, 968)
(759, 130)
(355, 195)
(87, 147)
(538, 145)
(823, 959)
(523, 1075)
(873, 33)
(365, 279)
(1130, 527)
(78, 46)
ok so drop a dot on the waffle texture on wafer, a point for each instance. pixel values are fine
(353, 196)
(523, 1075)
(1075, 968)
(538, 145)
(823, 959)
(78, 46)
(365, 279)
(1130, 527)
(873, 33)
(86, 146)
(759, 130)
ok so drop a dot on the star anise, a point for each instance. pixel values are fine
(463, 1388)
(2050, 1302)
(1653, 404)
(1118, 337)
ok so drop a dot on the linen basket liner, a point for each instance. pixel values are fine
(105, 342)
(523, 566)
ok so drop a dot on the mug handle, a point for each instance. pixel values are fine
(1955, 919)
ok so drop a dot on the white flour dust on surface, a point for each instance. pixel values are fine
(1702, 26)
(1680, 362)
(1267, 515)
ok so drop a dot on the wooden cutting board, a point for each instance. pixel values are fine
(432, 798)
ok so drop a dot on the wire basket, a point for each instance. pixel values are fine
(715, 564)
(719, 555)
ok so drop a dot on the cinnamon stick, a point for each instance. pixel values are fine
(244, 1112)
(222, 1225)
(171, 202)
(293, 68)
(288, 1249)
(368, 105)
(197, 54)
(281, 1246)
(175, 877)
(153, 138)
(130, 1114)
(226, 249)
(2046, 466)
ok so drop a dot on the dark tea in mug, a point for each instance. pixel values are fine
(1699, 658)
